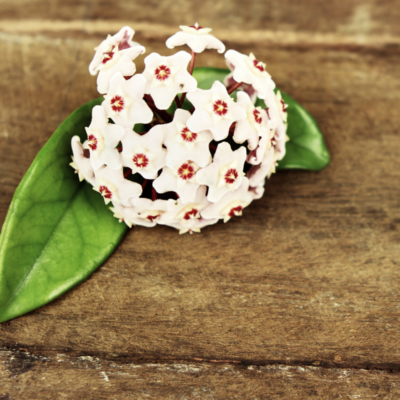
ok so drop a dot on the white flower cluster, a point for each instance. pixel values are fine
(186, 170)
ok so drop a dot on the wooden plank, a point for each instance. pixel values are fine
(299, 297)
(42, 377)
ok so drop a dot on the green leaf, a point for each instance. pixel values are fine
(306, 148)
(57, 230)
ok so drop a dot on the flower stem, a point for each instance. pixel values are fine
(178, 102)
(127, 173)
(234, 87)
(161, 113)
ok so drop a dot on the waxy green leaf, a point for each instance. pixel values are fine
(57, 230)
(306, 148)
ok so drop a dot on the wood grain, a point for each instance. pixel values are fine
(299, 297)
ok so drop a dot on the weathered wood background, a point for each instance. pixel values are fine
(300, 298)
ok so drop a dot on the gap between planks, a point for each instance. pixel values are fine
(160, 31)
(27, 353)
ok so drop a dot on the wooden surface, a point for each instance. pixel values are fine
(300, 297)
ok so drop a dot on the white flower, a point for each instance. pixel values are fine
(251, 71)
(149, 212)
(256, 156)
(80, 163)
(281, 106)
(112, 185)
(231, 204)
(214, 110)
(258, 173)
(186, 217)
(144, 153)
(181, 180)
(197, 38)
(107, 51)
(103, 139)
(225, 173)
(183, 145)
(124, 102)
(166, 77)
(252, 127)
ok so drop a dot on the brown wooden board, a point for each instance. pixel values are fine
(300, 297)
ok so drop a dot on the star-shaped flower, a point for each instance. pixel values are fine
(258, 173)
(124, 102)
(254, 126)
(107, 50)
(281, 106)
(102, 140)
(225, 173)
(251, 71)
(144, 154)
(231, 204)
(186, 217)
(256, 156)
(214, 110)
(197, 38)
(149, 212)
(112, 185)
(183, 144)
(167, 76)
(115, 54)
(181, 180)
(80, 163)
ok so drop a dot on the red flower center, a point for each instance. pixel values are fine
(283, 106)
(235, 211)
(231, 176)
(105, 192)
(162, 73)
(186, 171)
(117, 103)
(140, 160)
(108, 56)
(92, 142)
(152, 218)
(188, 136)
(257, 116)
(193, 213)
(258, 64)
(220, 107)
(197, 27)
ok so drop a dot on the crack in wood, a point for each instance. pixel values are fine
(20, 359)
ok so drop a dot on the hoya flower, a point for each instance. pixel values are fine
(197, 38)
(186, 217)
(144, 153)
(186, 169)
(258, 173)
(124, 102)
(281, 106)
(225, 173)
(112, 185)
(214, 110)
(107, 51)
(115, 54)
(231, 204)
(252, 127)
(103, 139)
(251, 71)
(167, 76)
(181, 180)
(143, 212)
(149, 212)
(80, 163)
(183, 144)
